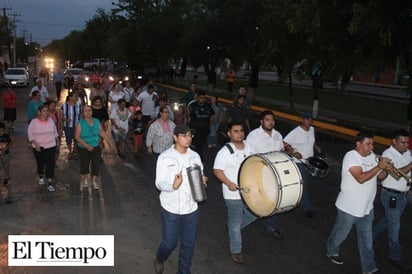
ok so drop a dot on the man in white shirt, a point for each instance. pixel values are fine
(44, 94)
(393, 197)
(355, 201)
(226, 168)
(178, 208)
(302, 138)
(266, 139)
(147, 101)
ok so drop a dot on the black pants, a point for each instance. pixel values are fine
(89, 160)
(58, 90)
(45, 159)
(199, 140)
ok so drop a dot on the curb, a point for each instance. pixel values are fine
(290, 117)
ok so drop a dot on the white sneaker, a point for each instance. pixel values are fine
(95, 186)
(85, 183)
(41, 181)
(51, 188)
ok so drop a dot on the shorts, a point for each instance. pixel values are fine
(5, 161)
(69, 133)
(119, 138)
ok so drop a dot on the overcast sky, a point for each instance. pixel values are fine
(45, 20)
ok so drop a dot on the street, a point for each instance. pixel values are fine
(127, 206)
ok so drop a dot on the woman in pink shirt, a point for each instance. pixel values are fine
(43, 137)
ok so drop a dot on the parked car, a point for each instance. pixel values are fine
(16, 77)
(23, 65)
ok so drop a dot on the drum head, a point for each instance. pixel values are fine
(259, 184)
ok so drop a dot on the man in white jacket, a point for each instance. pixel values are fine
(178, 208)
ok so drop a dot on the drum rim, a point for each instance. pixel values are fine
(275, 171)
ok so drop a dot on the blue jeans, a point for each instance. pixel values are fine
(305, 193)
(343, 225)
(391, 223)
(211, 139)
(238, 217)
(175, 226)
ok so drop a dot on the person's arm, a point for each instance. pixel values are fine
(149, 139)
(103, 134)
(364, 176)
(220, 175)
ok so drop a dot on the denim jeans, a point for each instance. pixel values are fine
(305, 194)
(238, 217)
(343, 225)
(391, 223)
(175, 226)
(212, 139)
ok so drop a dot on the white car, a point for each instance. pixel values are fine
(16, 77)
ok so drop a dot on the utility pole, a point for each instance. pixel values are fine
(14, 36)
(6, 24)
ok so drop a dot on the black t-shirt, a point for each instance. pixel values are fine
(4, 140)
(200, 115)
(139, 126)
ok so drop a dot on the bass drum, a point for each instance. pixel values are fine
(317, 167)
(270, 183)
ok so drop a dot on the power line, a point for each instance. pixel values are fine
(52, 24)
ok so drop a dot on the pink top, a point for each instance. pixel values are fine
(42, 132)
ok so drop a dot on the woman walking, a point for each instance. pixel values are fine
(43, 137)
(87, 134)
(160, 134)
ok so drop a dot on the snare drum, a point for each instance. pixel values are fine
(317, 167)
(270, 183)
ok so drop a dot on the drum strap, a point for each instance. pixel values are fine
(230, 148)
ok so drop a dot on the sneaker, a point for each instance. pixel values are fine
(95, 186)
(158, 267)
(85, 183)
(51, 188)
(41, 181)
(237, 258)
(335, 259)
(6, 181)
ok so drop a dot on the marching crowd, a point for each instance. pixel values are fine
(177, 137)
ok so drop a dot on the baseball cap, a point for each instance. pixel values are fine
(183, 129)
(307, 115)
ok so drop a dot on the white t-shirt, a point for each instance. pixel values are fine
(355, 198)
(148, 102)
(171, 162)
(302, 140)
(263, 142)
(399, 160)
(121, 119)
(230, 163)
(44, 94)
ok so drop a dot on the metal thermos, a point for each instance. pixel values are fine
(196, 185)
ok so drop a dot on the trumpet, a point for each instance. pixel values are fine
(395, 172)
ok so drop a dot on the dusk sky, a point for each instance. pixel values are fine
(45, 20)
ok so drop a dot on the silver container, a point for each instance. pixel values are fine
(194, 173)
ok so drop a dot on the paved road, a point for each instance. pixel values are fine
(127, 206)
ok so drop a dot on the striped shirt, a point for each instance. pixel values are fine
(71, 114)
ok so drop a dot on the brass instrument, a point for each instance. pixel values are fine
(395, 172)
